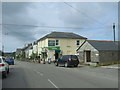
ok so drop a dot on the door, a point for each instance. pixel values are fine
(57, 52)
(88, 56)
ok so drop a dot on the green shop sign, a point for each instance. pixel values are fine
(54, 48)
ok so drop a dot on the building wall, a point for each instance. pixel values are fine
(41, 44)
(35, 48)
(97, 56)
(67, 46)
(26, 54)
(30, 52)
(88, 47)
(18, 52)
(108, 56)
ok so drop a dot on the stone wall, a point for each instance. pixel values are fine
(108, 56)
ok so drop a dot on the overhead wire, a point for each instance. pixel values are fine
(54, 26)
(80, 12)
(64, 27)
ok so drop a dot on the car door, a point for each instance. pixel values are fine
(6, 64)
(61, 60)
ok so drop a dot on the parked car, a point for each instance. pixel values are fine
(4, 67)
(10, 60)
(67, 60)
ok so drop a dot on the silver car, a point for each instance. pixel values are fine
(4, 67)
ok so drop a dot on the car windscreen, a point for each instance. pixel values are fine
(66, 57)
(74, 57)
(9, 58)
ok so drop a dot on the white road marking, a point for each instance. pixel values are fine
(41, 74)
(53, 83)
(64, 68)
(17, 62)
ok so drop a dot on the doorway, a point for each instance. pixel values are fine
(57, 54)
(88, 56)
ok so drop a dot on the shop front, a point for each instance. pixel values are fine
(51, 53)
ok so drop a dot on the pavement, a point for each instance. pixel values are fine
(116, 66)
(33, 75)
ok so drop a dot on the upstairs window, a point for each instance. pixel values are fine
(51, 42)
(78, 42)
(57, 42)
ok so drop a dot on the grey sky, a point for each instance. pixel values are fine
(94, 20)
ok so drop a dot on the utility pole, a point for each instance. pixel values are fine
(114, 31)
(3, 45)
(2, 50)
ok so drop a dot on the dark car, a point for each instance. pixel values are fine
(9, 60)
(67, 60)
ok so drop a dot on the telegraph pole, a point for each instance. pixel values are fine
(2, 50)
(3, 44)
(114, 31)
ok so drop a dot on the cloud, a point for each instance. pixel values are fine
(17, 14)
(119, 21)
(57, 14)
(96, 18)
(0, 26)
(87, 14)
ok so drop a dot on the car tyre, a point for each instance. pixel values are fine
(8, 70)
(75, 65)
(56, 64)
(66, 64)
(5, 75)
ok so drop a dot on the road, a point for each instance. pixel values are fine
(34, 75)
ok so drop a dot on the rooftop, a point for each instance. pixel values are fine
(62, 35)
(104, 44)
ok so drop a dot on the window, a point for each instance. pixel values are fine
(51, 42)
(74, 57)
(78, 42)
(65, 57)
(57, 42)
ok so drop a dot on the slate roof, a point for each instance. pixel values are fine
(104, 45)
(62, 35)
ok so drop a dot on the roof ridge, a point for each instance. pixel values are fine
(61, 32)
(103, 40)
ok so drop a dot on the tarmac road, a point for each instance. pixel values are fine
(34, 75)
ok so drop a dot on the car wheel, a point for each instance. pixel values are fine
(8, 70)
(75, 65)
(56, 64)
(66, 64)
(5, 74)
